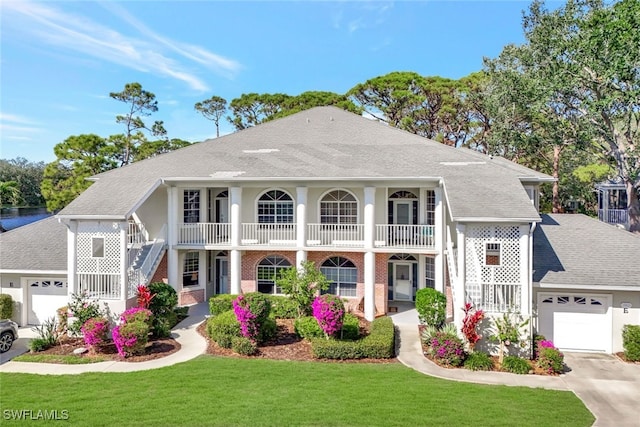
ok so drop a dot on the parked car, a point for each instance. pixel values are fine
(8, 334)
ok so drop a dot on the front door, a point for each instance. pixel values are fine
(402, 280)
(402, 212)
(222, 275)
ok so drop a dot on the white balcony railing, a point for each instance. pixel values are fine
(102, 286)
(613, 216)
(268, 234)
(326, 235)
(335, 235)
(204, 233)
(405, 236)
(496, 297)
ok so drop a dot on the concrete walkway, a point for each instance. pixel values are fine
(609, 388)
(192, 344)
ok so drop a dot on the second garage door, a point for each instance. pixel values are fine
(45, 297)
(580, 322)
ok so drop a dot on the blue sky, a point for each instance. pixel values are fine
(60, 60)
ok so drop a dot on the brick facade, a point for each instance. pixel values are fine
(188, 297)
(162, 272)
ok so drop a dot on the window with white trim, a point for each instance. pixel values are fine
(275, 207)
(191, 212)
(97, 247)
(268, 269)
(492, 252)
(191, 269)
(430, 272)
(339, 207)
(342, 274)
(430, 208)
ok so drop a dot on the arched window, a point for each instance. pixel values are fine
(342, 274)
(268, 270)
(275, 207)
(339, 207)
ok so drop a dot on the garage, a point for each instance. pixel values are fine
(45, 297)
(576, 321)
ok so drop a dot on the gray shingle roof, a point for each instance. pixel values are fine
(41, 245)
(576, 250)
(323, 143)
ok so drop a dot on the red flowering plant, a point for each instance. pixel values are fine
(95, 332)
(329, 312)
(472, 318)
(144, 296)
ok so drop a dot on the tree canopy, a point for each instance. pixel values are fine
(28, 176)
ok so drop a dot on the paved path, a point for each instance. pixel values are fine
(609, 388)
(192, 344)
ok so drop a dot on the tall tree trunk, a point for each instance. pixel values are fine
(633, 207)
(555, 201)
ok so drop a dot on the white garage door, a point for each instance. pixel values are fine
(576, 321)
(45, 297)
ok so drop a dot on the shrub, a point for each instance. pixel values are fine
(6, 306)
(95, 332)
(268, 330)
(221, 303)
(164, 300)
(631, 342)
(144, 296)
(508, 331)
(446, 349)
(283, 307)
(536, 340)
(137, 314)
(431, 306)
(470, 322)
(302, 285)
(130, 338)
(47, 335)
(251, 311)
(83, 309)
(550, 359)
(244, 346)
(516, 365)
(63, 319)
(478, 361)
(379, 344)
(350, 327)
(329, 312)
(307, 327)
(223, 327)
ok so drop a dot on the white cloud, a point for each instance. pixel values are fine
(149, 53)
(14, 118)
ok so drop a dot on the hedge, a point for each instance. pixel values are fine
(379, 344)
(221, 303)
(307, 327)
(631, 342)
(6, 306)
(283, 307)
(223, 327)
(431, 306)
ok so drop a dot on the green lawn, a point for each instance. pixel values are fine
(212, 391)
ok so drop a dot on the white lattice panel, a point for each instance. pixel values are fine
(110, 263)
(483, 281)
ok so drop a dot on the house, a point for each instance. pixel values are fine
(380, 211)
(612, 202)
(586, 285)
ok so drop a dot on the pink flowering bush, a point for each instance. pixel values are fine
(137, 314)
(130, 338)
(249, 327)
(252, 311)
(550, 358)
(95, 332)
(329, 312)
(446, 349)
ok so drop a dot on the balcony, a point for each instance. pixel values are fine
(318, 235)
(613, 216)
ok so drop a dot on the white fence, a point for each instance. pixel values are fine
(613, 216)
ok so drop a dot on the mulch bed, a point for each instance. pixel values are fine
(623, 358)
(285, 346)
(155, 349)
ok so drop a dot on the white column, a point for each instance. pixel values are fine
(439, 239)
(369, 255)
(72, 258)
(124, 277)
(202, 270)
(174, 269)
(204, 205)
(235, 257)
(422, 279)
(458, 286)
(301, 225)
(525, 270)
(174, 273)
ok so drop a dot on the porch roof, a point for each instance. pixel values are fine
(574, 250)
(323, 143)
(39, 246)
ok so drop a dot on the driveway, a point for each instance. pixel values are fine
(608, 387)
(21, 345)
